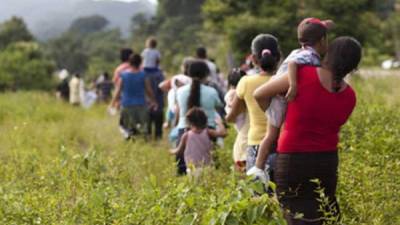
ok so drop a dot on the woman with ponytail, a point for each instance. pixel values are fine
(196, 94)
(307, 145)
(266, 56)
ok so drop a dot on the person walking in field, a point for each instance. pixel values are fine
(196, 94)
(196, 144)
(151, 60)
(125, 53)
(76, 90)
(104, 88)
(132, 89)
(312, 35)
(241, 122)
(266, 55)
(307, 146)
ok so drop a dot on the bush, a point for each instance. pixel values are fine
(65, 165)
(23, 66)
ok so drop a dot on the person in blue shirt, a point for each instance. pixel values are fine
(131, 90)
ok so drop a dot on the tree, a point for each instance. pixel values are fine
(14, 30)
(68, 52)
(87, 41)
(239, 21)
(177, 27)
(24, 66)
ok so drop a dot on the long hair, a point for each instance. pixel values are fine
(342, 57)
(198, 70)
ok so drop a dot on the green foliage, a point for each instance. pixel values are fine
(13, 30)
(87, 47)
(391, 29)
(177, 27)
(23, 66)
(68, 52)
(369, 163)
(65, 165)
(239, 21)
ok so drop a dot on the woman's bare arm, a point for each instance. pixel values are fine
(219, 132)
(117, 94)
(150, 94)
(273, 87)
(238, 106)
(181, 147)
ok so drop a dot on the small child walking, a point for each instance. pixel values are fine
(241, 123)
(196, 143)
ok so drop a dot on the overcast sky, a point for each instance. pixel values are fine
(152, 1)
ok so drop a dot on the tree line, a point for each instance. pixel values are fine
(225, 27)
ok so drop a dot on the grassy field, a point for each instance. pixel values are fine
(65, 165)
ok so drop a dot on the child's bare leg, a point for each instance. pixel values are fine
(266, 145)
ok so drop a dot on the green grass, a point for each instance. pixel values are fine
(65, 165)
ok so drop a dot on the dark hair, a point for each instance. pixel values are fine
(106, 76)
(125, 53)
(201, 53)
(309, 33)
(198, 70)
(135, 60)
(234, 76)
(196, 117)
(266, 51)
(151, 42)
(342, 57)
(186, 64)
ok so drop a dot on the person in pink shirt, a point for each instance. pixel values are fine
(124, 56)
(307, 147)
(196, 144)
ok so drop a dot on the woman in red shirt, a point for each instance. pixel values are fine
(307, 146)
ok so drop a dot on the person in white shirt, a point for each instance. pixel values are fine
(76, 90)
(151, 56)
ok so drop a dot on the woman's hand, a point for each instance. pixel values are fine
(173, 151)
(238, 106)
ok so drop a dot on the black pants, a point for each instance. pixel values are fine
(296, 191)
(156, 119)
(179, 158)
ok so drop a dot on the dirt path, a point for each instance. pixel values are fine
(378, 73)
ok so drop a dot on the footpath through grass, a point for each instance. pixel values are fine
(65, 165)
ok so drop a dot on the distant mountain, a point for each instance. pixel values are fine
(49, 18)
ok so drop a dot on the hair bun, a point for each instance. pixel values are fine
(265, 52)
